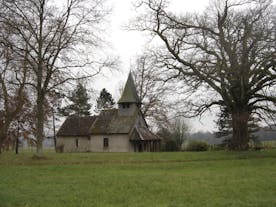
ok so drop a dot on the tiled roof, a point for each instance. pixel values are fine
(76, 126)
(110, 122)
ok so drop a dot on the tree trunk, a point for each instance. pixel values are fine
(1, 143)
(3, 133)
(1, 138)
(54, 130)
(240, 137)
(39, 125)
(16, 145)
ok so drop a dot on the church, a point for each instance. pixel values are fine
(113, 130)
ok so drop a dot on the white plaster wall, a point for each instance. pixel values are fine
(117, 143)
(69, 144)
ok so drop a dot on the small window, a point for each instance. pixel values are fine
(77, 143)
(105, 142)
(126, 105)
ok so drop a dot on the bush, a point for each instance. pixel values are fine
(197, 146)
(269, 144)
(170, 145)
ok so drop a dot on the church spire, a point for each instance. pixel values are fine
(129, 94)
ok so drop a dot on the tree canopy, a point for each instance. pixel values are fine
(54, 39)
(152, 91)
(225, 56)
(104, 101)
(79, 105)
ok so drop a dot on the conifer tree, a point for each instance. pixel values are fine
(105, 101)
(224, 125)
(79, 99)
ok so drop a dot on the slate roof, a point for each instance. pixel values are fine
(129, 94)
(110, 122)
(76, 126)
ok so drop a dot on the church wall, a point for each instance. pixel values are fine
(116, 143)
(73, 144)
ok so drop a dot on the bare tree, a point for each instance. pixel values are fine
(13, 76)
(152, 90)
(59, 37)
(174, 134)
(225, 56)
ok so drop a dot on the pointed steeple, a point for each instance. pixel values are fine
(129, 94)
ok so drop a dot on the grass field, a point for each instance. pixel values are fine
(214, 178)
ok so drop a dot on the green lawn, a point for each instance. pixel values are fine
(139, 179)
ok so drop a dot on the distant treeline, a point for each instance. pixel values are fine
(264, 134)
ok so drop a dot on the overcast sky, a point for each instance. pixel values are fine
(128, 44)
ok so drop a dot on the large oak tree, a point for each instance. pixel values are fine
(228, 51)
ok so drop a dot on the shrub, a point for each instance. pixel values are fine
(170, 145)
(197, 146)
(269, 144)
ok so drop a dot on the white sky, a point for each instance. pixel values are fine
(128, 44)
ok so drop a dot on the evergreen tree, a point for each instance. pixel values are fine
(80, 106)
(105, 100)
(224, 124)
